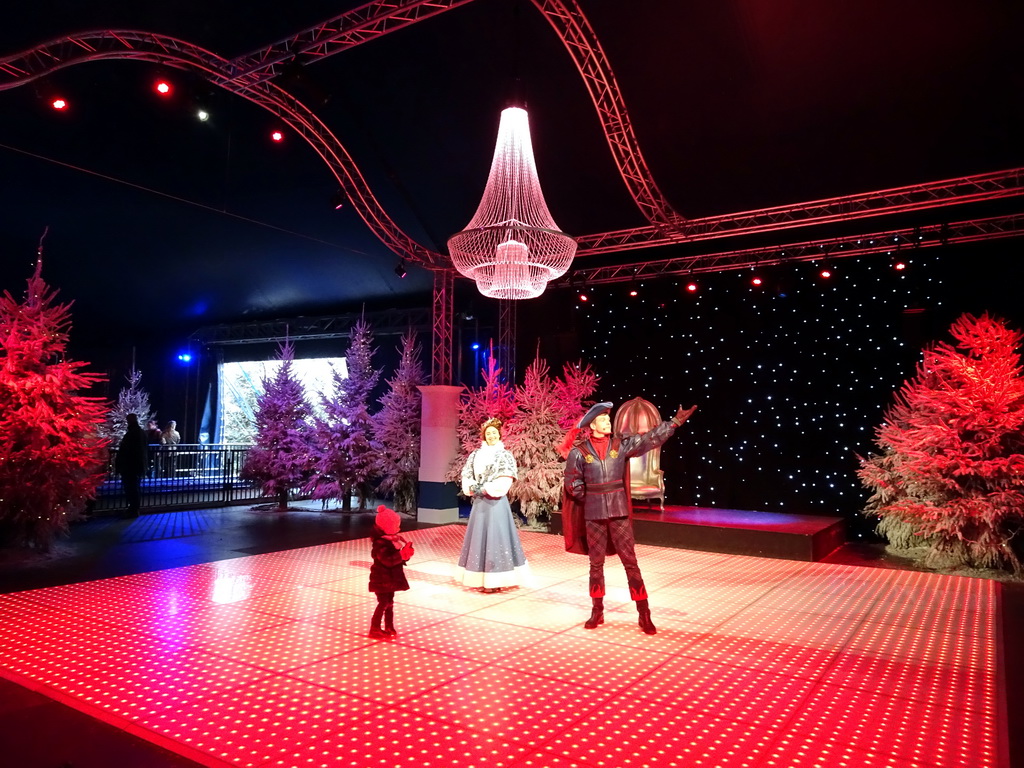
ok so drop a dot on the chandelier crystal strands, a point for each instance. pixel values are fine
(512, 247)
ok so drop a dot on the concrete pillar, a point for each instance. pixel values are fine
(439, 444)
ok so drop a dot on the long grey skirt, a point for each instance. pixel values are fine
(492, 556)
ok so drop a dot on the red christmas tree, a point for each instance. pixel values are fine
(52, 458)
(951, 475)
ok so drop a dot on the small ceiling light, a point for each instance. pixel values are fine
(59, 103)
(400, 268)
(583, 297)
(203, 115)
(337, 200)
(691, 287)
(756, 281)
(277, 135)
(163, 87)
(825, 272)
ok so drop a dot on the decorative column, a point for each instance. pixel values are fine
(439, 444)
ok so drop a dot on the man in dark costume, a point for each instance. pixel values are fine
(596, 504)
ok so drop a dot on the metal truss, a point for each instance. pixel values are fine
(443, 295)
(23, 68)
(389, 322)
(507, 339)
(915, 197)
(891, 241)
(567, 19)
(340, 33)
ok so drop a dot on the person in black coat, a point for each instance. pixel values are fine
(390, 553)
(131, 462)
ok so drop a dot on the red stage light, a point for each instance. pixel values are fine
(756, 281)
(583, 297)
(163, 87)
(58, 103)
(899, 266)
(277, 136)
(633, 292)
(826, 273)
(691, 287)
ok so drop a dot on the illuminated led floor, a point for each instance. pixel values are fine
(264, 661)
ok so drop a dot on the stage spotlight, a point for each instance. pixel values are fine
(202, 115)
(691, 287)
(825, 273)
(400, 268)
(899, 264)
(185, 358)
(277, 135)
(162, 86)
(337, 200)
(59, 103)
(584, 297)
(756, 281)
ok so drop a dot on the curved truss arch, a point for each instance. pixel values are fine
(581, 41)
(22, 68)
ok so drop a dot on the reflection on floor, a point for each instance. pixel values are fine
(264, 661)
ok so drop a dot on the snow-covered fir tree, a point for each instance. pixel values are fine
(396, 429)
(131, 399)
(282, 458)
(533, 438)
(346, 456)
(52, 458)
(950, 477)
(494, 399)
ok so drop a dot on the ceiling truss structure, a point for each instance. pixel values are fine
(891, 242)
(251, 77)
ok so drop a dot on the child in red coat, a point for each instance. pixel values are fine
(387, 574)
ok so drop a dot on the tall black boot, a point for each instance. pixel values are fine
(375, 630)
(596, 614)
(389, 620)
(644, 609)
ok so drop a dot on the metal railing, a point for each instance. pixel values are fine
(184, 476)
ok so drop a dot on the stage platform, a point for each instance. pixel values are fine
(736, 531)
(264, 661)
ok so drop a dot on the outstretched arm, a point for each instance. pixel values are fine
(682, 415)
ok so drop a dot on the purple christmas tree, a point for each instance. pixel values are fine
(282, 458)
(131, 399)
(346, 455)
(397, 429)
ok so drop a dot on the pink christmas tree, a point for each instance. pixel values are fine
(951, 474)
(346, 454)
(494, 399)
(282, 458)
(546, 408)
(52, 458)
(396, 429)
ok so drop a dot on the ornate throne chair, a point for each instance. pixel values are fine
(646, 479)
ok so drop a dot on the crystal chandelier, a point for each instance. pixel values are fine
(512, 247)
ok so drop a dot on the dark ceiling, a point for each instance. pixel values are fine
(158, 223)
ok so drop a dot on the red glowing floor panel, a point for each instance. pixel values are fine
(265, 661)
